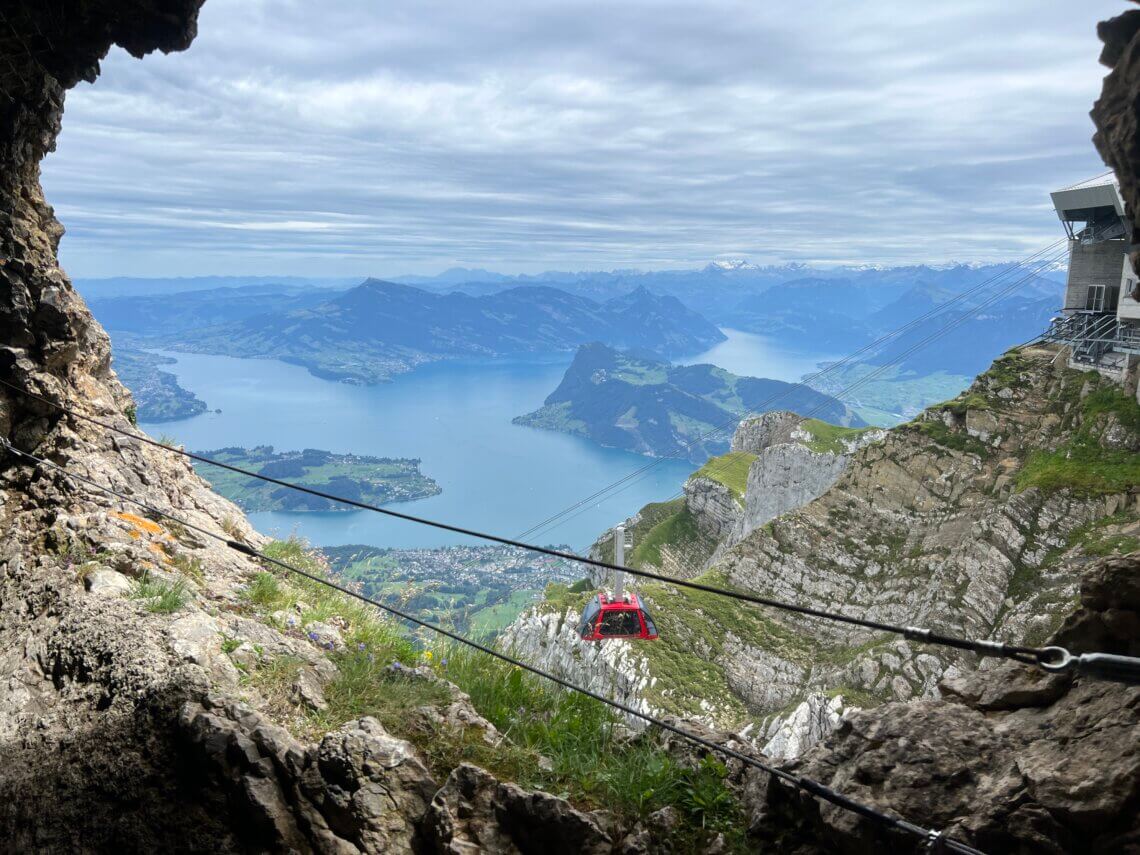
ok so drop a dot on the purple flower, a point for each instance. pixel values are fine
(314, 637)
(443, 662)
(361, 646)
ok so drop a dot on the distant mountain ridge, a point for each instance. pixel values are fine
(650, 407)
(378, 329)
(795, 307)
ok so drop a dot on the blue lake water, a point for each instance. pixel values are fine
(455, 417)
(752, 355)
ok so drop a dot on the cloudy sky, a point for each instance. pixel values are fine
(351, 137)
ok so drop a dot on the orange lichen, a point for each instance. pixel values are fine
(159, 550)
(140, 523)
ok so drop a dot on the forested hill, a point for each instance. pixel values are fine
(653, 407)
(378, 329)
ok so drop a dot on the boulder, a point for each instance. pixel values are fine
(475, 812)
(107, 583)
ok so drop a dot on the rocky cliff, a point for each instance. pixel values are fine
(778, 461)
(161, 691)
(1007, 759)
(975, 519)
(616, 670)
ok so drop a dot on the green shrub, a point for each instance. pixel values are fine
(264, 590)
(1085, 468)
(939, 434)
(365, 685)
(189, 566)
(159, 596)
(678, 530)
(577, 735)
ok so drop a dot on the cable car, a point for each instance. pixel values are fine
(609, 616)
(620, 614)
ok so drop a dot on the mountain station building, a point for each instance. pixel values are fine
(1100, 320)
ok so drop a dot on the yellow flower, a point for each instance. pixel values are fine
(427, 654)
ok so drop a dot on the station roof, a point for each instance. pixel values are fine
(1086, 201)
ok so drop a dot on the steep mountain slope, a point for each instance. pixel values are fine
(653, 407)
(382, 328)
(974, 520)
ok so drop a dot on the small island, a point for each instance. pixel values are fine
(376, 480)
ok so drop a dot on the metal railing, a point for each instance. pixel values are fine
(1091, 336)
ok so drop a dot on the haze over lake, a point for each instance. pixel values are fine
(752, 355)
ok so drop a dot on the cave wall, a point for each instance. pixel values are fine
(1115, 113)
(49, 343)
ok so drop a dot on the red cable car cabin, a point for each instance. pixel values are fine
(608, 617)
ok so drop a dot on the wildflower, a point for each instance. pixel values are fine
(314, 637)
(361, 646)
(427, 655)
(443, 662)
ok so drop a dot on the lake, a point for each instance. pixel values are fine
(752, 355)
(456, 417)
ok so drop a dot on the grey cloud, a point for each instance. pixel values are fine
(355, 138)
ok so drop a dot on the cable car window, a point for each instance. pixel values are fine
(650, 627)
(623, 622)
(589, 615)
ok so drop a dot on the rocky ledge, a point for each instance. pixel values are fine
(1007, 759)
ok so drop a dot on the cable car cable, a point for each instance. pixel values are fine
(808, 785)
(921, 344)
(805, 383)
(1051, 658)
(1006, 289)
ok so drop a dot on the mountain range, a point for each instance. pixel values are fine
(378, 329)
(655, 408)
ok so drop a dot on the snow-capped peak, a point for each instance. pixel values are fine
(733, 264)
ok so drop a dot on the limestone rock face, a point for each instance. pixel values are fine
(926, 527)
(614, 669)
(1011, 760)
(359, 790)
(1115, 113)
(772, 428)
(474, 812)
(810, 723)
(782, 478)
(786, 474)
(713, 506)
